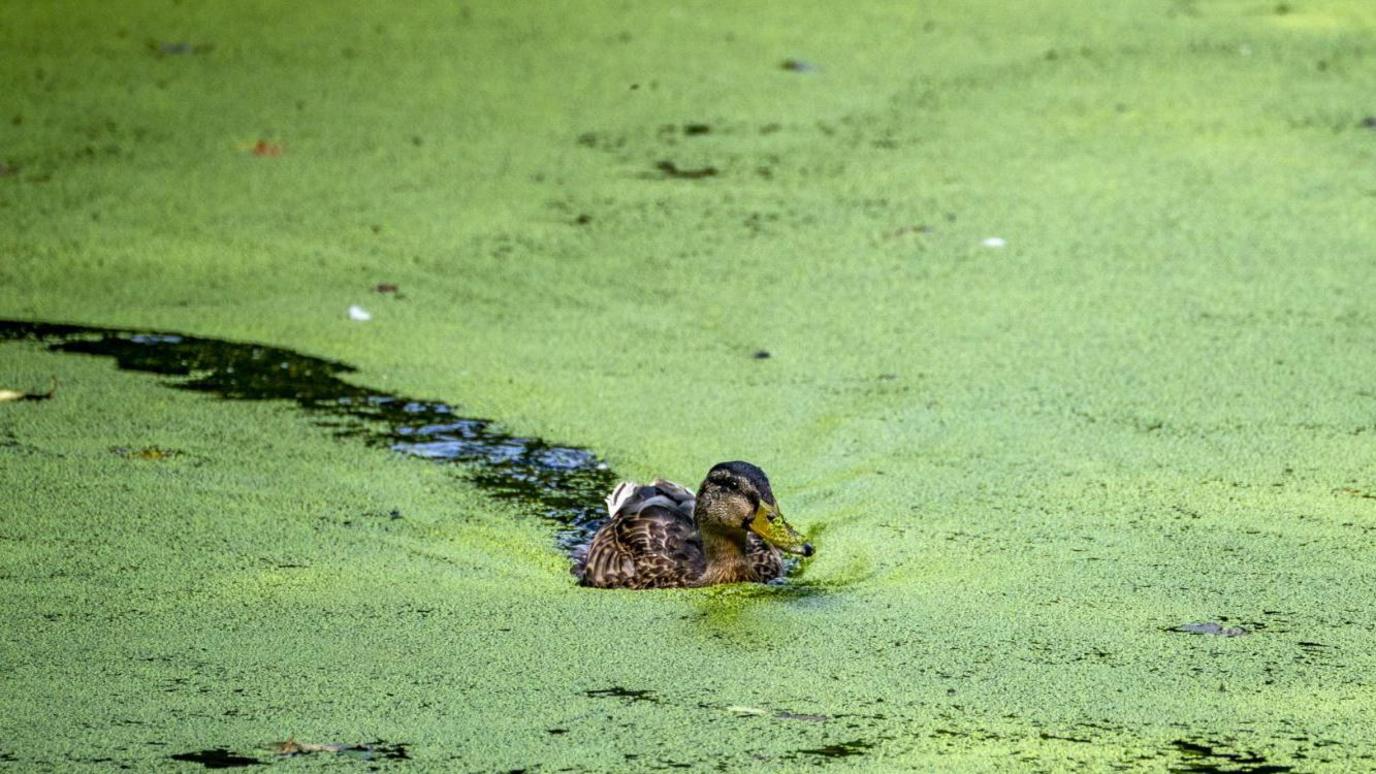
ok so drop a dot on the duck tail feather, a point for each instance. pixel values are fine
(620, 495)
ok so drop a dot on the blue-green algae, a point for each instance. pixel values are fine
(1022, 465)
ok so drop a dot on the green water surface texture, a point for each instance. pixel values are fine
(1153, 405)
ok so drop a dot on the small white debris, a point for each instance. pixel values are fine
(742, 710)
(359, 314)
(994, 242)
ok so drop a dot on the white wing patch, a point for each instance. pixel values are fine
(629, 498)
(623, 492)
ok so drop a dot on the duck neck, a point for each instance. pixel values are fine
(725, 552)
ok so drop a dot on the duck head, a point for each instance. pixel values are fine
(736, 497)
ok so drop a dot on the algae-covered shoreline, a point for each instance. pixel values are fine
(1068, 333)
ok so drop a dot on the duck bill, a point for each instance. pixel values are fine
(769, 524)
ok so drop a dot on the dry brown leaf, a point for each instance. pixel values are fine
(152, 453)
(293, 747)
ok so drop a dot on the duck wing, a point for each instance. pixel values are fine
(651, 540)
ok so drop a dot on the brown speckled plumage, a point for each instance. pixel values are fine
(655, 537)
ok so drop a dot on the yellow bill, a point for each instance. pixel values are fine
(770, 525)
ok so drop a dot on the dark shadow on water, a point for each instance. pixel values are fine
(565, 484)
(1200, 756)
(625, 694)
(218, 758)
(840, 750)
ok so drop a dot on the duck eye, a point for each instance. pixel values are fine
(729, 483)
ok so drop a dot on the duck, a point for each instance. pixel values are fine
(662, 535)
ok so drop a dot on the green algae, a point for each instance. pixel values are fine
(1020, 466)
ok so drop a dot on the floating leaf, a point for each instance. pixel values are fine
(293, 747)
(150, 453)
(776, 714)
(1211, 627)
(265, 148)
(377, 749)
(9, 395)
(740, 710)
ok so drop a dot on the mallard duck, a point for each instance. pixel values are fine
(661, 535)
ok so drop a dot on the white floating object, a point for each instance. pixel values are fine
(743, 710)
(994, 242)
(359, 314)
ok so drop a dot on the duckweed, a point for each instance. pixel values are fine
(1021, 467)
